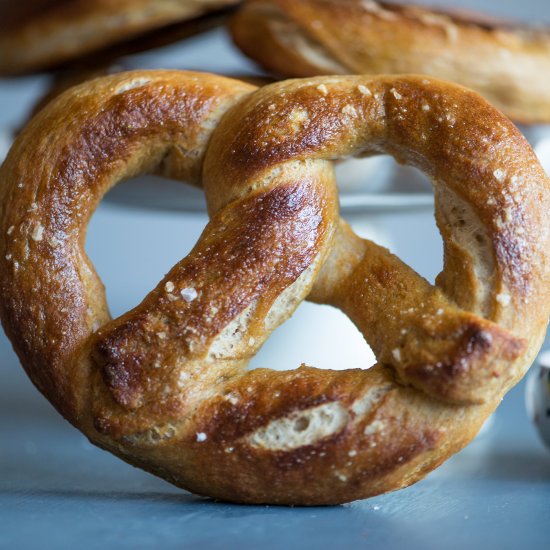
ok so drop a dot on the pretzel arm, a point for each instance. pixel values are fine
(272, 436)
(450, 353)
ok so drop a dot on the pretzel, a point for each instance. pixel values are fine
(42, 34)
(508, 64)
(165, 387)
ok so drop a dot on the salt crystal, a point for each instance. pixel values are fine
(38, 232)
(364, 90)
(323, 89)
(349, 110)
(503, 299)
(396, 94)
(189, 294)
(499, 174)
(169, 286)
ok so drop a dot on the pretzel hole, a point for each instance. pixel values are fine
(318, 336)
(380, 179)
(159, 240)
(150, 193)
(412, 236)
(386, 201)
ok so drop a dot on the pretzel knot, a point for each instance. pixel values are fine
(165, 386)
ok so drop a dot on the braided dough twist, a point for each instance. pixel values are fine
(165, 387)
(509, 65)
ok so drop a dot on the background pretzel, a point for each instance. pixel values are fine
(40, 34)
(508, 64)
(165, 387)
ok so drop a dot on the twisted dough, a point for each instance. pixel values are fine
(165, 387)
(39, 34)
(508, 65)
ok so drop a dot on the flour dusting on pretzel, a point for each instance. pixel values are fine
(508, 64)
(165, 386)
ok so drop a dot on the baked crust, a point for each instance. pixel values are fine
(165, 386)
(508, 64)
(43, 34)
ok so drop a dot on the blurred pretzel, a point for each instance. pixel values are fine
(165, 386)
(45, 34)
(508, 64)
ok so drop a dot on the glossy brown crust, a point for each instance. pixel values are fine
(70, 76)
(165, 386)
(43, 34)
(508, 64)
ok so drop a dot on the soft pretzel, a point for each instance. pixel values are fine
(42, 34)
(165, 387)
(509, 65)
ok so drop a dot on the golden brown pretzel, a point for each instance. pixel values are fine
(165, 387)
(509, 65)
(40, 34)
